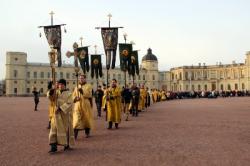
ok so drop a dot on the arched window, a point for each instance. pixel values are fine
(236, 86)
(221, 87)
(243, 86)
(199, 87)
(205, 87)
(228, 87)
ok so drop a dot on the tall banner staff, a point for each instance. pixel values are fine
(96, 66)
(125, 56)
(134, 67)
(54, 38)
(110, 41)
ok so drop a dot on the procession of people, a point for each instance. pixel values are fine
(72, 111)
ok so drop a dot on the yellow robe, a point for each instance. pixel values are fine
(163, 96)
(155, 96)
(51, 106)
(104, 101)
(61, 123)
(82, 112)
(113, 105)
(142, 100)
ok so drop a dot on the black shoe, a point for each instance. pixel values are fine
(53, 148)
(75, 133)
(66, 148)
(116, 126)
(87, 131)
(110, 125)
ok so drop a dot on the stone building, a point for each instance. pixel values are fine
(21, 75)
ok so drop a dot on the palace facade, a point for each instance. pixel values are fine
(21, 75)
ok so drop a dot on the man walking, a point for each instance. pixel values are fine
(82, 112)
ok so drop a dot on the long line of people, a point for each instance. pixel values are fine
(162, 95)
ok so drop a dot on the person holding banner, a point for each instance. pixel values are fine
(61, 131)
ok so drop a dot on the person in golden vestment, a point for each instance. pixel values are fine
(61, 131)
(155, 96)
(142, 100)
(82, 111)
(113, 99)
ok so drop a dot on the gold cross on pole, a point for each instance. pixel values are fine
(81, 38)
(51, 15)
(109, 16)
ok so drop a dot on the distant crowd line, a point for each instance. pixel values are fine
(163, 95)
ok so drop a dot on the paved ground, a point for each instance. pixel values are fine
(182, 132)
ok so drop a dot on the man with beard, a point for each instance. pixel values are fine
(82, 112)
(61, 131)
(113, 97)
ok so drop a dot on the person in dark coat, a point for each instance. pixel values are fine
(135, 93)
(36, 97)
(98, 99)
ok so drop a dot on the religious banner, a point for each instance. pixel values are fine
(96, 66)
(134, 65)
(54, 38)
(110, 41)
(125, 56)
(83, 58)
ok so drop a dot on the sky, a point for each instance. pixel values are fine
(179, 32)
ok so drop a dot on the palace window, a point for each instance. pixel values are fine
(61, 74)
(205, 87)
(143, 77)
(28, 90)
(48, 75)
(236, 86)
(153, 77)
(41, 90)
(228, 87)
(186, 75)
(42, 74)
(15, 90)
(35, 74)
(243, 86)
(15, 73)
(67, 75)
(28, 74)
(221, 87)
(199, 87)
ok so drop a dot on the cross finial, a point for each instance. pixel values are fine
(125, 36)
(51, 15)
(81, 38)
(109, 16)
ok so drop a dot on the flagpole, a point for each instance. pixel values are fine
(125, 39)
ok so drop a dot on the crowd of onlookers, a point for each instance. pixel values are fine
(169, 95)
